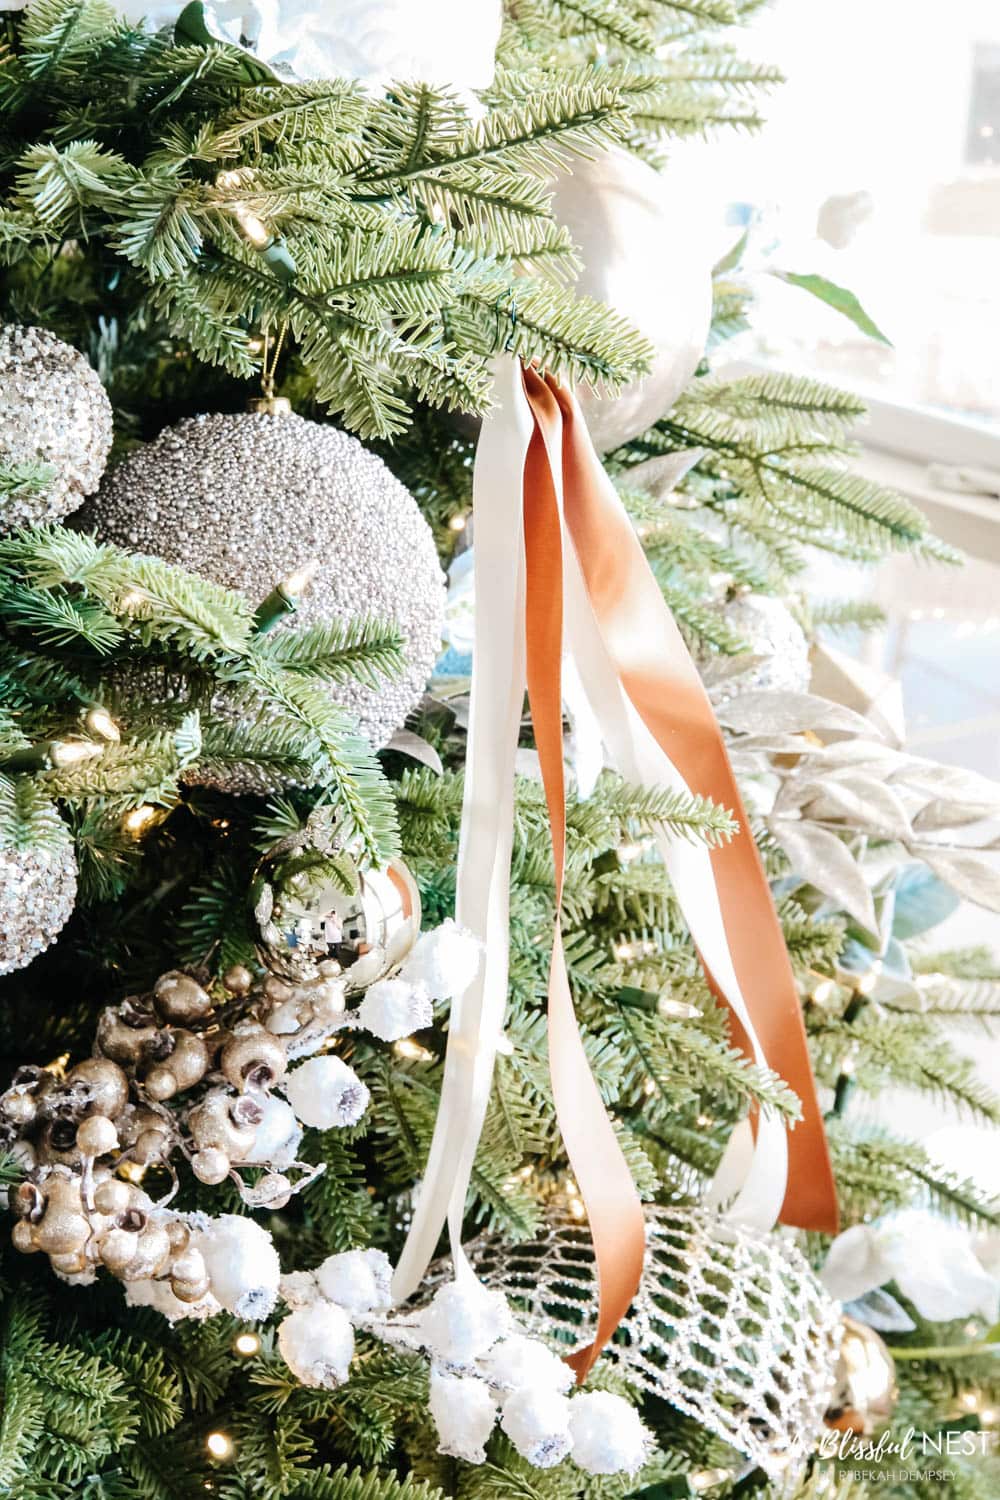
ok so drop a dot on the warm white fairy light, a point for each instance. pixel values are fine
(247, 1344)
(296, 583)
(707, 1479)
(458, 522)
(139, 819)
(823, 991)
(251, 224)
(677, 1010)
(100, 722)
(64, 753)
(219, 1445)
(413, 1050)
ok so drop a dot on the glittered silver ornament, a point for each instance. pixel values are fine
(777, 660)
(55, 411)
(306, 918)
(247, 499)
(37, 895)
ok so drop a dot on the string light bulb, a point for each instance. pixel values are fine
(269, 245)
(63, 753)
(707, 1479)
(284, 597)
(54, 755)
(220, 1445)
(413, 1050)
(251, 224)
(677, 1010)
(458, 522)
(247, 1344)
(139, 819)
(100, 722)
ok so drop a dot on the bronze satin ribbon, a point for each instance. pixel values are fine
(663, 685)
(602, 1174)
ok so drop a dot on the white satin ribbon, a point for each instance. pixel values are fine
(483, 884)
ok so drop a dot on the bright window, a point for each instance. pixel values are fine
(887, 137)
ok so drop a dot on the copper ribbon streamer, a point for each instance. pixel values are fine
(602, 1174)
(660, 679)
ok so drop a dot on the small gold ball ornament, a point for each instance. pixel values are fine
(183, 1064)
(63, 1227)
(125, 1031)
(181, 999)
(210, 1166)
(253, 1059)
(112, 1197)
(865, 1392)
(69, 1265)
(96, 1136)
(225, 1124)
(238, 980)
(23, 1237)
(19, 1108)
(189, 1291)
(104, 1083)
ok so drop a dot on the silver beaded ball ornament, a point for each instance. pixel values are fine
(247, 499)
(37, 896)
(54, 411)
(777, 660)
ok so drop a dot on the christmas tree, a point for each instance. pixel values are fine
(239, 773)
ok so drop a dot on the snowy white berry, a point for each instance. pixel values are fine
(537, 1422)
(358, 1280)
(317, 1344)
(278, 1136)
(522, 1361)
(444, 962)
(393, 1008)
(325, 1093)
(607, 1433)
(464, 1413)
(158, 1294)
(464, 1320)
(242, 1265)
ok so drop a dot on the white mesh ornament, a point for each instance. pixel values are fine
(730, 1325)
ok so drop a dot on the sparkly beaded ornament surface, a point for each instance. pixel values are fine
(247, 499)
(777, 660)
(55, 411)
(37, 895)
(730, 1325)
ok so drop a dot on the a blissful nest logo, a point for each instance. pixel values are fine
(915, 1455)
